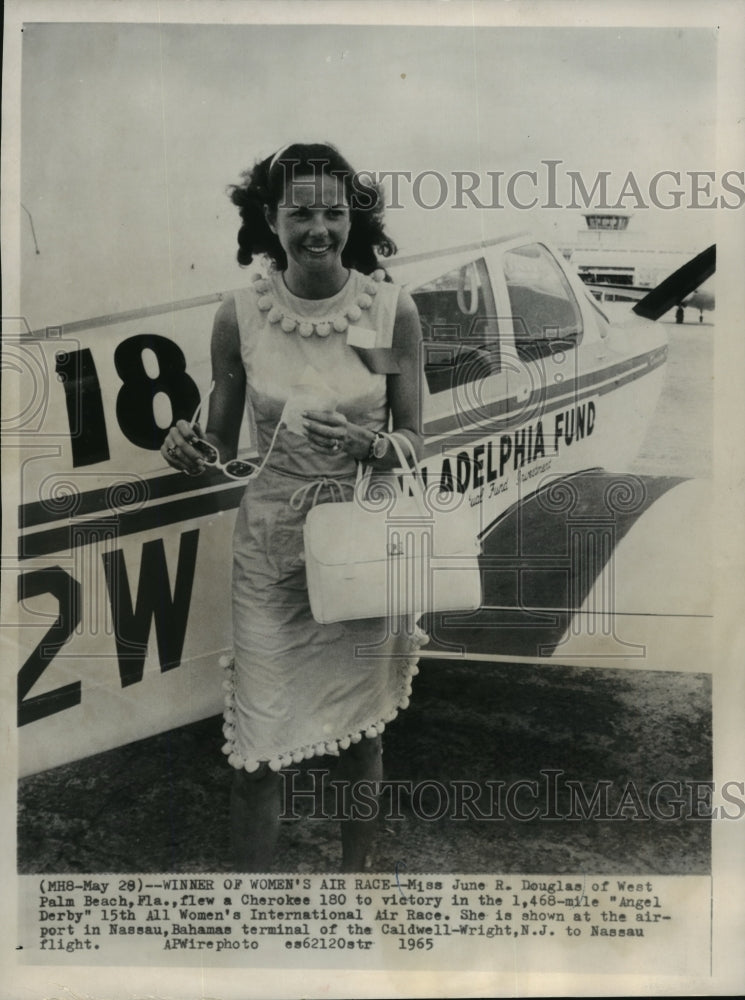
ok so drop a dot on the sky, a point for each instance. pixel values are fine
(131, 134)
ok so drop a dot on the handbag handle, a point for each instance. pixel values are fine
(407, 461)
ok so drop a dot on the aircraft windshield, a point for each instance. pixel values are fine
(545, 314)
(459, 324)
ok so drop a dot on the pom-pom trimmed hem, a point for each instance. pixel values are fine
(327, 746)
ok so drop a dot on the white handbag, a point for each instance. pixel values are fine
(396, 549)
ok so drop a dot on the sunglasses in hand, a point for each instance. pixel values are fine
(236, 468)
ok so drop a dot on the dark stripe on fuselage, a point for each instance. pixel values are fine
(114, 498)
(82, 532)
(548, 398)
(209, 500)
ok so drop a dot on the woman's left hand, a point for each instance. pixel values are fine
(328, 431)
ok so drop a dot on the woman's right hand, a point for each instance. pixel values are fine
(177, 448)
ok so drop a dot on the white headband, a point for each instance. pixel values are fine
(278, 154)
(296, 142)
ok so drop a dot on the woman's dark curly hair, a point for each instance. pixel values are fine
(264, 185)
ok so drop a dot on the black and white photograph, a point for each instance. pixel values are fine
(372, 499)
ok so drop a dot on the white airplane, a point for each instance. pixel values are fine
(529, 391)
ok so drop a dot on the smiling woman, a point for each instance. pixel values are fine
(273, 184)
(325, 352)
(314, 228)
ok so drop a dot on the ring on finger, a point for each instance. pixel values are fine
(171, 450)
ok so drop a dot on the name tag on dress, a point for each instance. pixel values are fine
(379, 360)
(361, 336)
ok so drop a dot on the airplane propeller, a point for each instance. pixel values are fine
(678, 285)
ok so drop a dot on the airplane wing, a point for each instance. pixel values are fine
(628, 293)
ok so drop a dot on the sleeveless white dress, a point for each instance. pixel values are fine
(295, 688)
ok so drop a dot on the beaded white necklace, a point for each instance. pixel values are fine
(339, 321)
